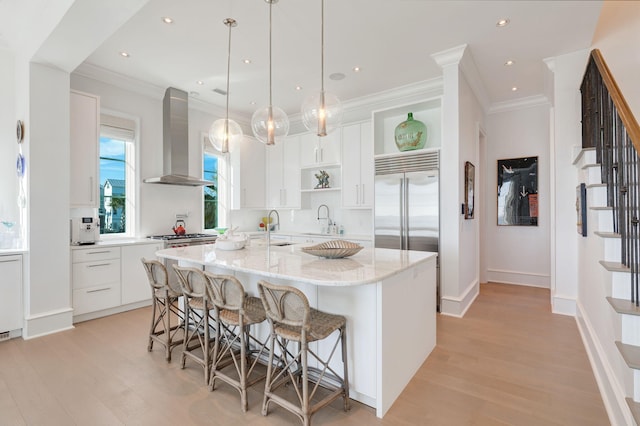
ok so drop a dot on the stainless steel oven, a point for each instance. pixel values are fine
(181, 241)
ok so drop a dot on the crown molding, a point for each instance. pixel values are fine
(521, 103)
(449, 57)
(119, 80)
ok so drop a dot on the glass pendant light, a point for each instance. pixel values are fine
(322, 112)
(225, 131)
(270, 124)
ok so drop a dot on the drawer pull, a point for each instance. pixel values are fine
(98, 289)
(98, 264)
(98, 252)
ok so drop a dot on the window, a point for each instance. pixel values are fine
(117, 175)
(214, 168)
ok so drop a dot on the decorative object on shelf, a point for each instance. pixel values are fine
(323, 180)
(225, 131)
(518, 191)
(20, 131)
(469, 186)
(581, 209)
(410, 134)
(20, 165)
(322, 112)
(334, 249)
(270, 124)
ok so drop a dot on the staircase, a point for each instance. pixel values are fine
(609, 165)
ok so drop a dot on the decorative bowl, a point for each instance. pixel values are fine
(230, 244)
(334, 249)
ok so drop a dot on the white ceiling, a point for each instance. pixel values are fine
(391, 40)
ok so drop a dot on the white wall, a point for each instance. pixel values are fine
(8, 146)
(518, 254)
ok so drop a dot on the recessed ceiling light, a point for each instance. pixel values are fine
(124, 54)
(337, 76)
(503, 22)
(298, 87)
(252, 102)
(200, 82)
(514, 89)
(246, 61)
(167, 20)
(356, 69)
(509, 63)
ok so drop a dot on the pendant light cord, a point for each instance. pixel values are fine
(270, 91)
(322, 46)
(230, 22)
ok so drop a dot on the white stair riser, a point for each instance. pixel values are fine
(593, 175)
(612, 249)
(631, 329)
(605, 220)
(589, 156)
(597, 196)
(621, 285)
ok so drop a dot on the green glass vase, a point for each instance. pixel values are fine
(410, 134)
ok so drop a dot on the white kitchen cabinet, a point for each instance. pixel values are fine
(135, 284)
(283, 167)
(11, 291)
(84, 136)
(96, 279)
(248, 174)
(319, 151)
(358, 171)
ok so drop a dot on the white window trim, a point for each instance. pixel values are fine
(133, 178)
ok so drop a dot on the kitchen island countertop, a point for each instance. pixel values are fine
(290, 262)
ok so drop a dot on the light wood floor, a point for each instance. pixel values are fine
(509, 361)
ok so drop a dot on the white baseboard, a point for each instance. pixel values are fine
(563, 305)
(47, 323)
(111, 311)
(458, 306)
(530, 279)
(612, 394)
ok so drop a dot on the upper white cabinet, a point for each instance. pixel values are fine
(283, 179)
(135, 284)
(84, 135)
(385, 122)
(358, 170)
(248, 174)
(318, 151)
(11, 290)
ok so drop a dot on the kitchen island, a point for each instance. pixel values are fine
(388, 297)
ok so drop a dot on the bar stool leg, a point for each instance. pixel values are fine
(345, 382)
(267, 383)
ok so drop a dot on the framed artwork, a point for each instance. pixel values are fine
(581, 209)
(469, 189)
(518, 191)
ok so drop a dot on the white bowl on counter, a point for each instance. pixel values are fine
(231, 242)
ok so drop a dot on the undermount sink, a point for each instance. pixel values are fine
(281, 243)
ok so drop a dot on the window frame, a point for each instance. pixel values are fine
(132, 174)
(224, 184)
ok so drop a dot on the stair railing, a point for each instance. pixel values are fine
(609, 126)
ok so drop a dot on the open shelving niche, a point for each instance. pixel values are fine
(310, 196)
(385, 121)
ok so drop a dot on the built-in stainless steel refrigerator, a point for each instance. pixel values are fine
(407, 208)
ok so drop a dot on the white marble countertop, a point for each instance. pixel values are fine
(361, 237)
(289, 262)
(10, 251)
(117, 242)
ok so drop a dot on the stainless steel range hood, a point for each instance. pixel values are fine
(175, 143)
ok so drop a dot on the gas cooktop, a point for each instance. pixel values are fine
(180, 237)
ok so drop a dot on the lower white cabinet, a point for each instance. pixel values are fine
(110, 277)
(11, 291)
(135, 284)
(96, 279)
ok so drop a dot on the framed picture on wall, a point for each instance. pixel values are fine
(469, 189)
(581, 209)
(518, 191)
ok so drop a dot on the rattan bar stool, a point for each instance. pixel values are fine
(234, 346)
(164, 305)
(292, 320)
(198, 308)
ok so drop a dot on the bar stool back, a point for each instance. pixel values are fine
(164, 306)
(235, 313)
(197, 308)
(293, 320)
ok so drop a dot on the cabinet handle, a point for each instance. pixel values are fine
(98, 264)
(10, 260)
(315, 151)
(321, 155)
(362, 193)
(91, 188)
(99, 289)
(357, 193)
(98, 252)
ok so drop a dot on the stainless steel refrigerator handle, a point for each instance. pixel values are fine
(402, 213)
(405, 228)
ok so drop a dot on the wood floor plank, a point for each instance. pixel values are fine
(509, 361)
